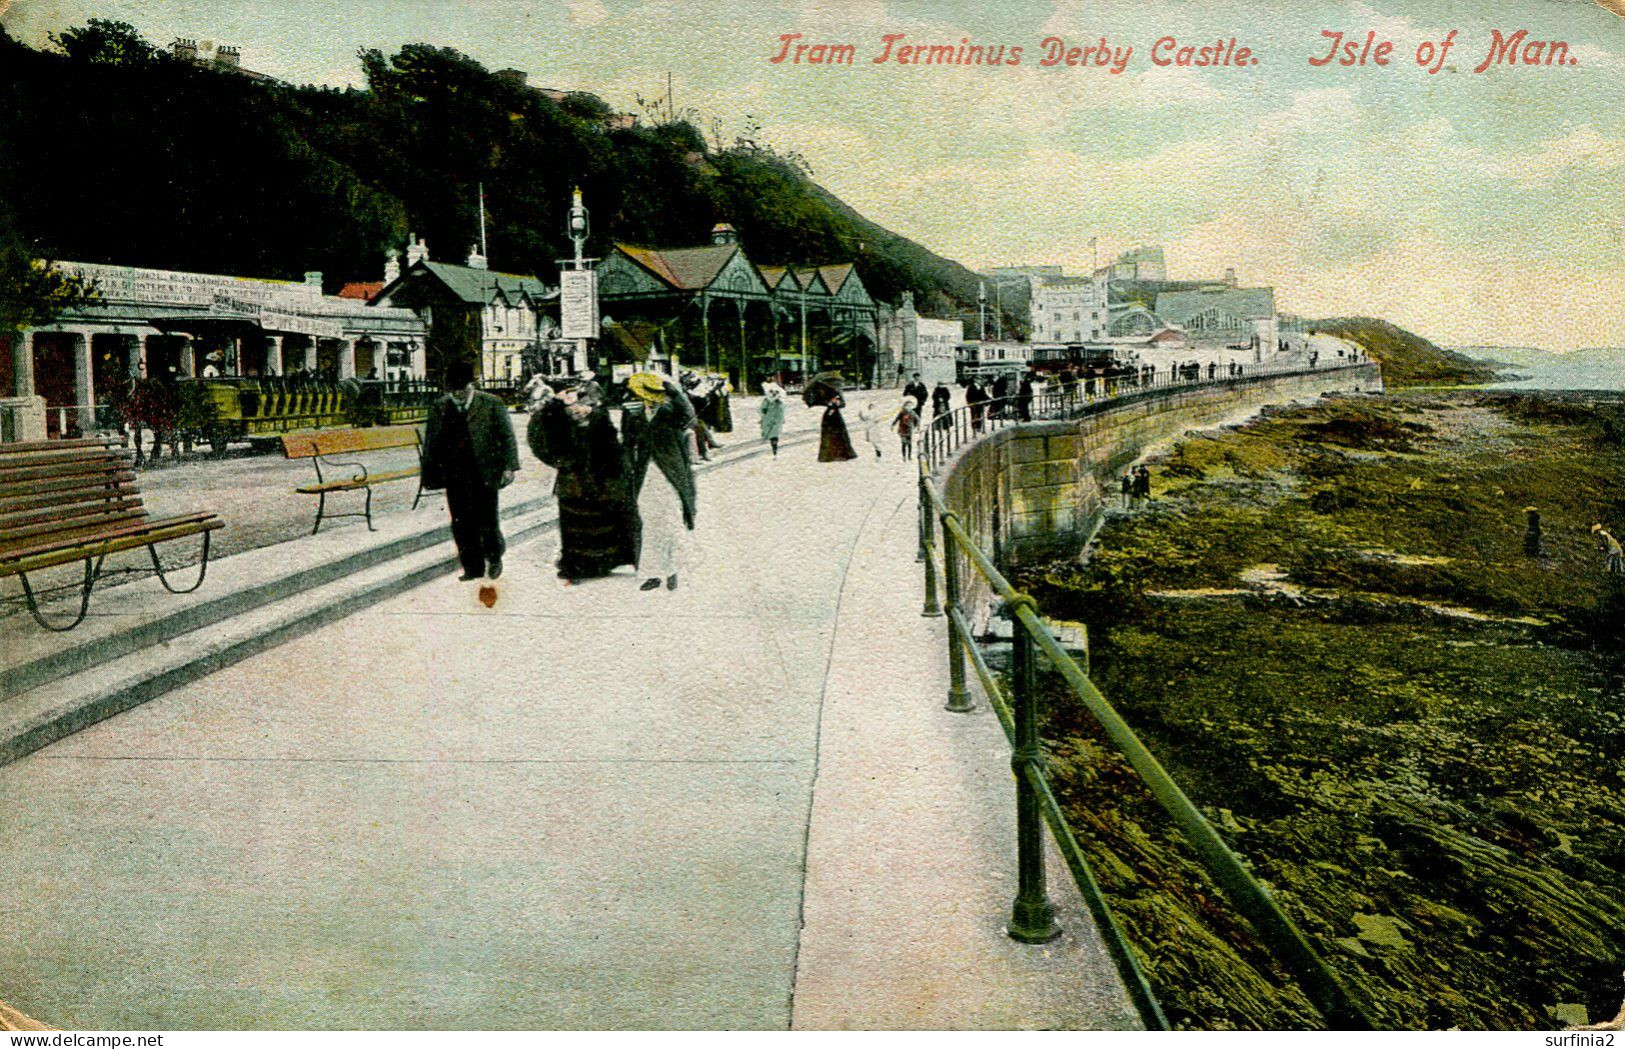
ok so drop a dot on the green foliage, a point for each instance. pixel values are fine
(1407, 359)
(106, 42)
(293, 179)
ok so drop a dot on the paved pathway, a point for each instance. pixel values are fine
(733, 805)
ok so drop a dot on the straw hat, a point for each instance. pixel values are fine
(647, 387)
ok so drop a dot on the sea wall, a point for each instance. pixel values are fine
(1040, 489)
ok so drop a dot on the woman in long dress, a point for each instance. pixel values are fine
(655, 424)
(598, 524)
(772, 410)
(833, 443)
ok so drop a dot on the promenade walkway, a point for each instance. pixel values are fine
(738, 804)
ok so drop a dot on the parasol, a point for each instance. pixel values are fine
(823, 386)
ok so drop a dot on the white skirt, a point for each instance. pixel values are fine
(662, 512)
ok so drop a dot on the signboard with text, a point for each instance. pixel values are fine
(578, 304)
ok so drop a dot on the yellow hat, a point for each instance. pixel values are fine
(647, 387)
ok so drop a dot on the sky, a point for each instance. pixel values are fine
(1474, 208)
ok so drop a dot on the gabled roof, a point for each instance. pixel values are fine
(811, 280)
(477, 287)
(776, 276)
(686, 269)
(1179, 306)
(835, 275)
(361, 289)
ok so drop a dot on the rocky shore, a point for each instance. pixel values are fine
(1331, 628)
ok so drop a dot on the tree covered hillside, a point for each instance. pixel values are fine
(118, 152)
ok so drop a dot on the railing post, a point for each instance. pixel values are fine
(1032, 918)
(932, 607)
(958, 699)
(922, 510)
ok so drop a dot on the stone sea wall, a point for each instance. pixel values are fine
(1040, 489)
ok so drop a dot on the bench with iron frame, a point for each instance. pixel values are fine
(320, 446)
(73, 500)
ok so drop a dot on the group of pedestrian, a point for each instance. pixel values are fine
(625, 497)
(1136, 487)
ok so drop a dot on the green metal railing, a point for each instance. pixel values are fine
(1016, 705)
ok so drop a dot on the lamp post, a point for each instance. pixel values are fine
(578, 283)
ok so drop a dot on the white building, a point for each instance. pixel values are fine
(155, 323)
(1068, 309)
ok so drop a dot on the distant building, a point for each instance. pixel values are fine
(225, 58)
(1068, 309)
(1020, 274)
(498, 320)
(1144, 263)
(178, 325)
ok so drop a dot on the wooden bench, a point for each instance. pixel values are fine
(319, 446)
(66, 501)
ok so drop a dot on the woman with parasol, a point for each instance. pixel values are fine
(834, 445)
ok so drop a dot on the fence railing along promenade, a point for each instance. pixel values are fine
(1032, 917)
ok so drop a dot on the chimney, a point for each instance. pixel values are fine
(228, 56)
(724, 233)
(1230, 276)
(392, 267)
(476, 261)
(184, 49)
(416, 250)
(313, 277)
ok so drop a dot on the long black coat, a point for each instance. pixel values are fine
(490, 433)
(662, 438)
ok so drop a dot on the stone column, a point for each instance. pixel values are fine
(273, 355)
(84, 386)
(22, 363)
(136, 362)
(347, 359)
(420, 359)
(310, 353)
(188, 358)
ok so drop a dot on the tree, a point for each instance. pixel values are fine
(105, 42)
(33, 294)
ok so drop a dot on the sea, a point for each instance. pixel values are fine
(1597, 368)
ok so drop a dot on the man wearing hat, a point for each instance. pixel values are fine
(654, 430)
(470, 451)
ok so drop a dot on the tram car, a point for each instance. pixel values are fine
(250, 408)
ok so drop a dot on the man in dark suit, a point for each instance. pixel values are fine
(918, 391)
(470, 451)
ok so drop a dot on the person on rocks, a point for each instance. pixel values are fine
(1531, 531)
(1613, 553)
(598, 521)
(872, 420)
(470, 451)
(905, 422)
(772, 410)
(834, 445)
(654, 429)
(1142, 485)
(1128, 488)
